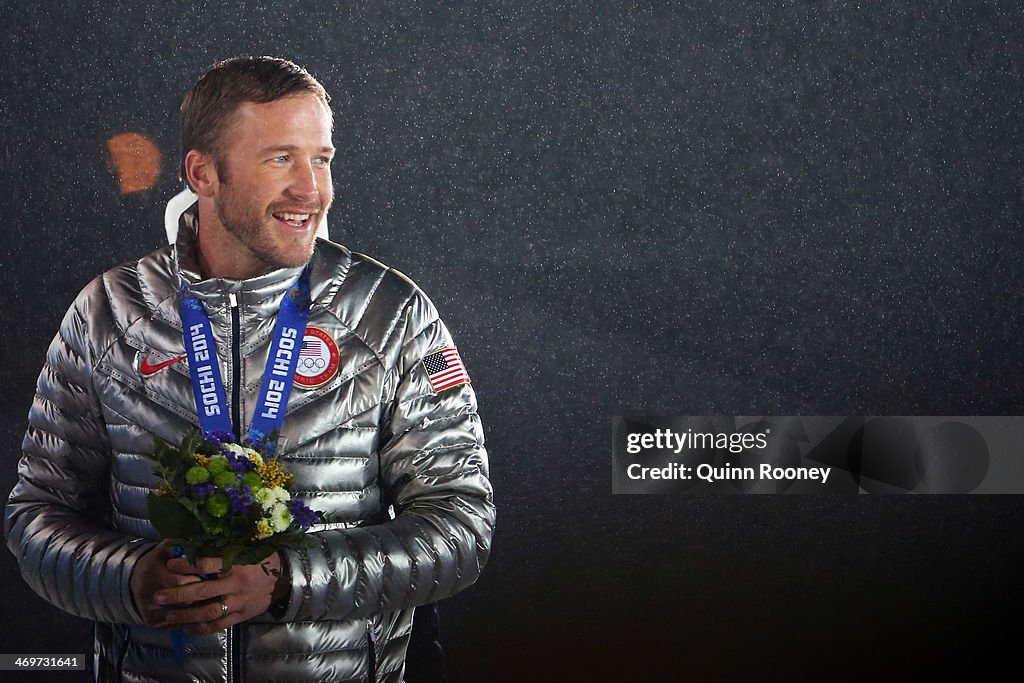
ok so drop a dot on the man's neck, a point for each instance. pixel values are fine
(220, 254)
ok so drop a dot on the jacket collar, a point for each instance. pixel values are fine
(263, 292)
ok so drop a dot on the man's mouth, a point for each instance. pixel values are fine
(294, 220)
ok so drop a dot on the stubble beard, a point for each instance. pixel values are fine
(251, 229)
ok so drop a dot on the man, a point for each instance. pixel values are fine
(372, 425)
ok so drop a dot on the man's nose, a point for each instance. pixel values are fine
(304, 182)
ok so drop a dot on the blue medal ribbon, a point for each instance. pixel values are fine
(282, 361)
(208, 385)
(203, 365)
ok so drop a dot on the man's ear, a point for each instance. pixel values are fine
(201, 173)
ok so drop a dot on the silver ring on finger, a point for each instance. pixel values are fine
(223, 608)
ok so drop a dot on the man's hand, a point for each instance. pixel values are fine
(198, 606)
(150, 575)
(182, 600)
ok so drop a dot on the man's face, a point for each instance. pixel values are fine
(275, 180)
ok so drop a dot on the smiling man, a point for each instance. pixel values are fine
(265, 190)
(380, 431)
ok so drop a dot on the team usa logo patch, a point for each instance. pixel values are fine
(319, 359)
(444, 369)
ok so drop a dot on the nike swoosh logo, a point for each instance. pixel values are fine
(147, 369)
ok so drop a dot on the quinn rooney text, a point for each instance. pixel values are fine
(705, 472)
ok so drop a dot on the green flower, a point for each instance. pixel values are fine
(217, 505)
(225, 479)
(217, 464)
(252, 480)
(197, 475)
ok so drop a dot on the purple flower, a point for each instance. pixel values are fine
(216, 438)
(241, 465)
(237, 463)
(304, 517)
(202, 490)
(239, 501)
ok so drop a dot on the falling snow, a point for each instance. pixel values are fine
(670, 208)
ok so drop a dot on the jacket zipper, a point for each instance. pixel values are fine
(236, 370)
(234, 635)
(228, 669)
(372, 652)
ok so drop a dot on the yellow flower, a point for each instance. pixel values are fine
(272, 474)
(263, 529)
(201, 459)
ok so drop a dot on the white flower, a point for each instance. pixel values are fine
(235, 449)
(253, 455)
(268, 497)
(280, 517)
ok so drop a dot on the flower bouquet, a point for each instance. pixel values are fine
(218, 498)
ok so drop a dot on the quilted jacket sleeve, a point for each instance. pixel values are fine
(434, 468)
(56, 518)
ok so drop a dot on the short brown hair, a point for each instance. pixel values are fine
(209, 106)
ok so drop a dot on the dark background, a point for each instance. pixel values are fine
(619, 208)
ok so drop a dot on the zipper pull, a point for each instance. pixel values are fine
(232, 300)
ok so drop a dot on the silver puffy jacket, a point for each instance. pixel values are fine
(375, 439)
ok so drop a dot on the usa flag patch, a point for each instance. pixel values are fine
(444, 369)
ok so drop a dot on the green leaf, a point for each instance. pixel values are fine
(188, 445)
(254, 554)
(171, 518)
(230, 553)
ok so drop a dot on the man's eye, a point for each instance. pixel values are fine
(281, 159)
(322, 161)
